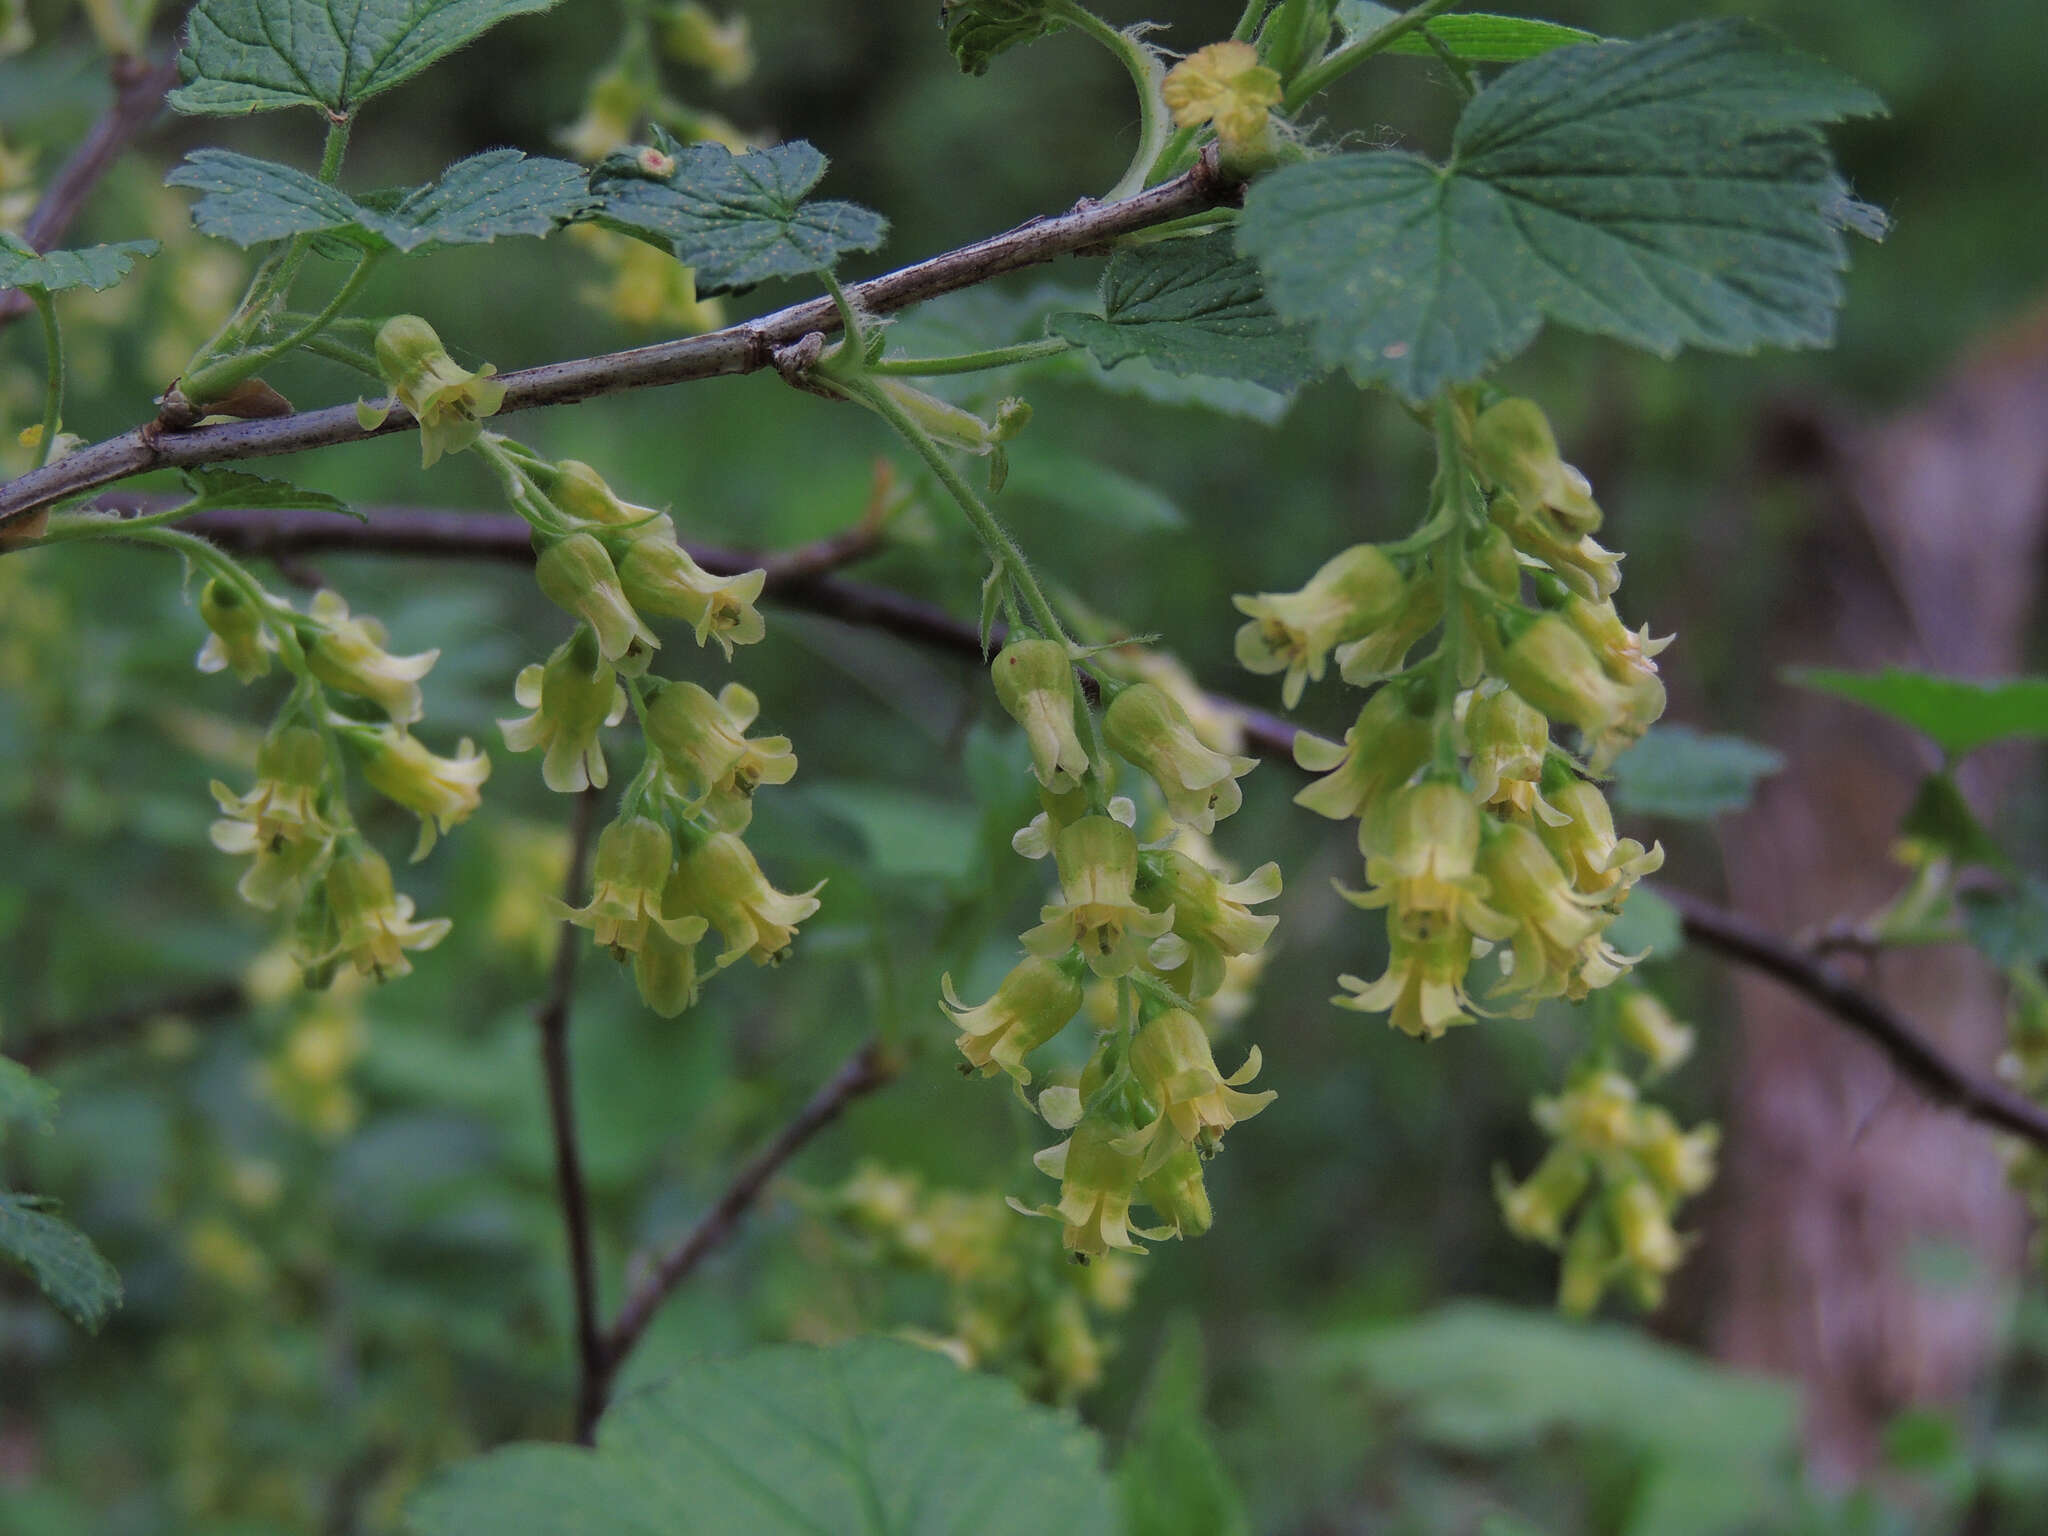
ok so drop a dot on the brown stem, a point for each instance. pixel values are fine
(139, 88)
(862, 1073)
(735, 350)
(553, 1019)
(40, 1047)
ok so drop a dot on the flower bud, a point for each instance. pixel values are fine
(1145, 724)
(373, 925)
(440, 790)
(628, 879)
(1349, 597)
(1175, 1189)
(348, 654)
(1035, 683)
(1589, 1264)
(447, 401)
(1098, 865)
(1515, 450)
(574, 694)
(577, 574)
(721, 881)
(703, 744)
(239, 639)
(1033, 1004)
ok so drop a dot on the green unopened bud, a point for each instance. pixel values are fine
(1589, 1264)
(1352, 595)
(447, 400)
(574, 694)
(1148, 726)
(577, 575)
(1177, 1192)
(665, 966)
(239, 639)
(1035, 682)
(1492, 558)
(1033, 1004)
(1516, 451)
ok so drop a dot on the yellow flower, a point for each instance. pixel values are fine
(1643, 1022)
(239, 638)
(571, 696)
(1148, 727)
(1388, 742)
(1510, 742)
(441, 791)
(1225, 84)
(348, 654)
(1597, 1113)
(628, 877)
(1516, 451)
(1033, 1004)
(1535, 1209)
(1213, 919)
(1583, 841)
(720, 880)
(373, 926)
(577, 574)
(1382, 653)
(704, 745)
(1171, 1060)
(1428, 879)
(1578, 561)
(1098, 865)
(1679, 1163)
(662, 577)
(1422, 990)
(665, 965)
(291, 774)
(1034, 681)
(448, 401)
(1097, 1181)
(1558, 949)
(1293, 632)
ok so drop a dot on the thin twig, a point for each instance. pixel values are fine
(139, 87)
(553, 1019)
(867, 1069)
(49, 1043)
(1918, 1058)
(735, 350)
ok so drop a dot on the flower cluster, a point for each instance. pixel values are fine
(1152, 927)
(1606, 1191)
(1010, 1304)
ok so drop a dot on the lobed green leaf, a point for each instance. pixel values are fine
(1671, 192)
(94, 267)
(736, 219)
(876, 1436)
(1193, 307)
(1958, 715)
(1676, 771)
(59, 1258)
(501, 192)
(978, 30)
(243, 56)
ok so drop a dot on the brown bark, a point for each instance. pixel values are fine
(1842, 1184)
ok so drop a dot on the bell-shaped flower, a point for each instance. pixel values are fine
(1624, 654)
(281, 868)
(1352, 595)
(1557, 674)
(1575, 558)
(1385, 746)
(1590, 1264)
(628, 877)
(662, 577)
(1516, 451)
(571, 696)
(1646, 1026)
(1147, 726)
(1034, 1003)
(1599, 863)
(448, 401)
(665, 964)
(1428, 878)
(1509, 740)
(1226, 86)
(1556, 928)
(720, 880)
(1535, 1209)
(238, 636)
(1597, 1112)
(1422, 990)
(1098, 909)
(704, 746)
(1097, 1182)
(1212, 917)
(1383, 652)
(348, 654)
(1035, 682)
(1175, 1189)
(1642, 1228)
(441, 791)
(1679, 1163)
(373, 925)
(1171, 1060)
(577, 575)
(292, 770)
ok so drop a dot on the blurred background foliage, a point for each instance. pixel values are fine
(334, 1216)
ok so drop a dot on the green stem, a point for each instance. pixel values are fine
(527, 498)
(1248, 21)
(1461, 72)
(1143, 68)
(1322, 76)
(335, 146)
(53, 390)
(1449, 495)
(216, 378)
(972, 362)
(849, 317)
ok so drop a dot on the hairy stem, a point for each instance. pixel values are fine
(971, 362)
(53, 387)
(1143, 67)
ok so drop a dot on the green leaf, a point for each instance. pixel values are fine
(876, 1436)
(1677, 772)
(737, 219)
(1960, 716)
(1172, 1481)
(25, 1099)
(1192, 307)
(1477, 39)
(59, 1258)
(244, 56)
(223, 490)
(978, 30)
(1676, 191)
(2010, 927)
(95, 267)
(500, 192)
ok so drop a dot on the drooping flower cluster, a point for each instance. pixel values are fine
(1010, 1305)
(1152, 926)
(1487, 842)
